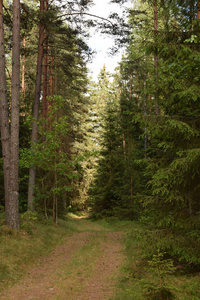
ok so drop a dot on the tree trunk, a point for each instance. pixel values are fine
(45, 82)
(198, 9)
(51, 79)
(130, 88)
(56, 75)
(15, 100)
(23, 68)
(55, 200)
(45, 78)
(131, 191)
(34, 138)
(10, 144)
(145, 118)
(156, 56)
(55, 218)
(191, 15)
(5, 135)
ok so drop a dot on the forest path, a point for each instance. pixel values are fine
(85, 267)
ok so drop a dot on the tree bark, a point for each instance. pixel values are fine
(10, 143)
(5, 135)
(45, 77)
(51, 78)
(15, 100)
(23, 68)
(55, 200)
(45, 82)
(156, 56)
(34, 138)
(191, 15)
(198, 9)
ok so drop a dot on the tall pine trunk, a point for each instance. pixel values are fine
(198, 9)
(10, 143)
(191, 15)
(5, 135)
(15, 101)
(45, 77)
(34, 138)
(156, 55)
(23, 68)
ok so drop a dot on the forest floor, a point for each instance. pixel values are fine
(84, 260)
(84, 267)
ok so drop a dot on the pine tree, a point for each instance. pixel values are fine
(10, 138)
(106, 189)
(171, 158)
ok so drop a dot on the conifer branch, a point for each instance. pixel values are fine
(88, 14)
(24, 8)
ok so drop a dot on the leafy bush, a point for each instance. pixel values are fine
(27, 221)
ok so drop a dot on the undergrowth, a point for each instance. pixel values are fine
(154, 273)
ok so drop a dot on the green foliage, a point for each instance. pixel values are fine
(155, 275)
(161, 267)
(164, 161)
(175, 243)
(133, 161)
(155, 293)
(28, 220)
(114, 186)
(29, 216)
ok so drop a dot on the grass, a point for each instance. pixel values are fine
(138, 281)
(21, 250)
(113, 224)
(78, 271)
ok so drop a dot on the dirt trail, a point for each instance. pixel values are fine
(85, 267)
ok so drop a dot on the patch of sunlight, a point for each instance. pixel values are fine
(81, 215)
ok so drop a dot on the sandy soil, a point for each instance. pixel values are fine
(59, 275)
